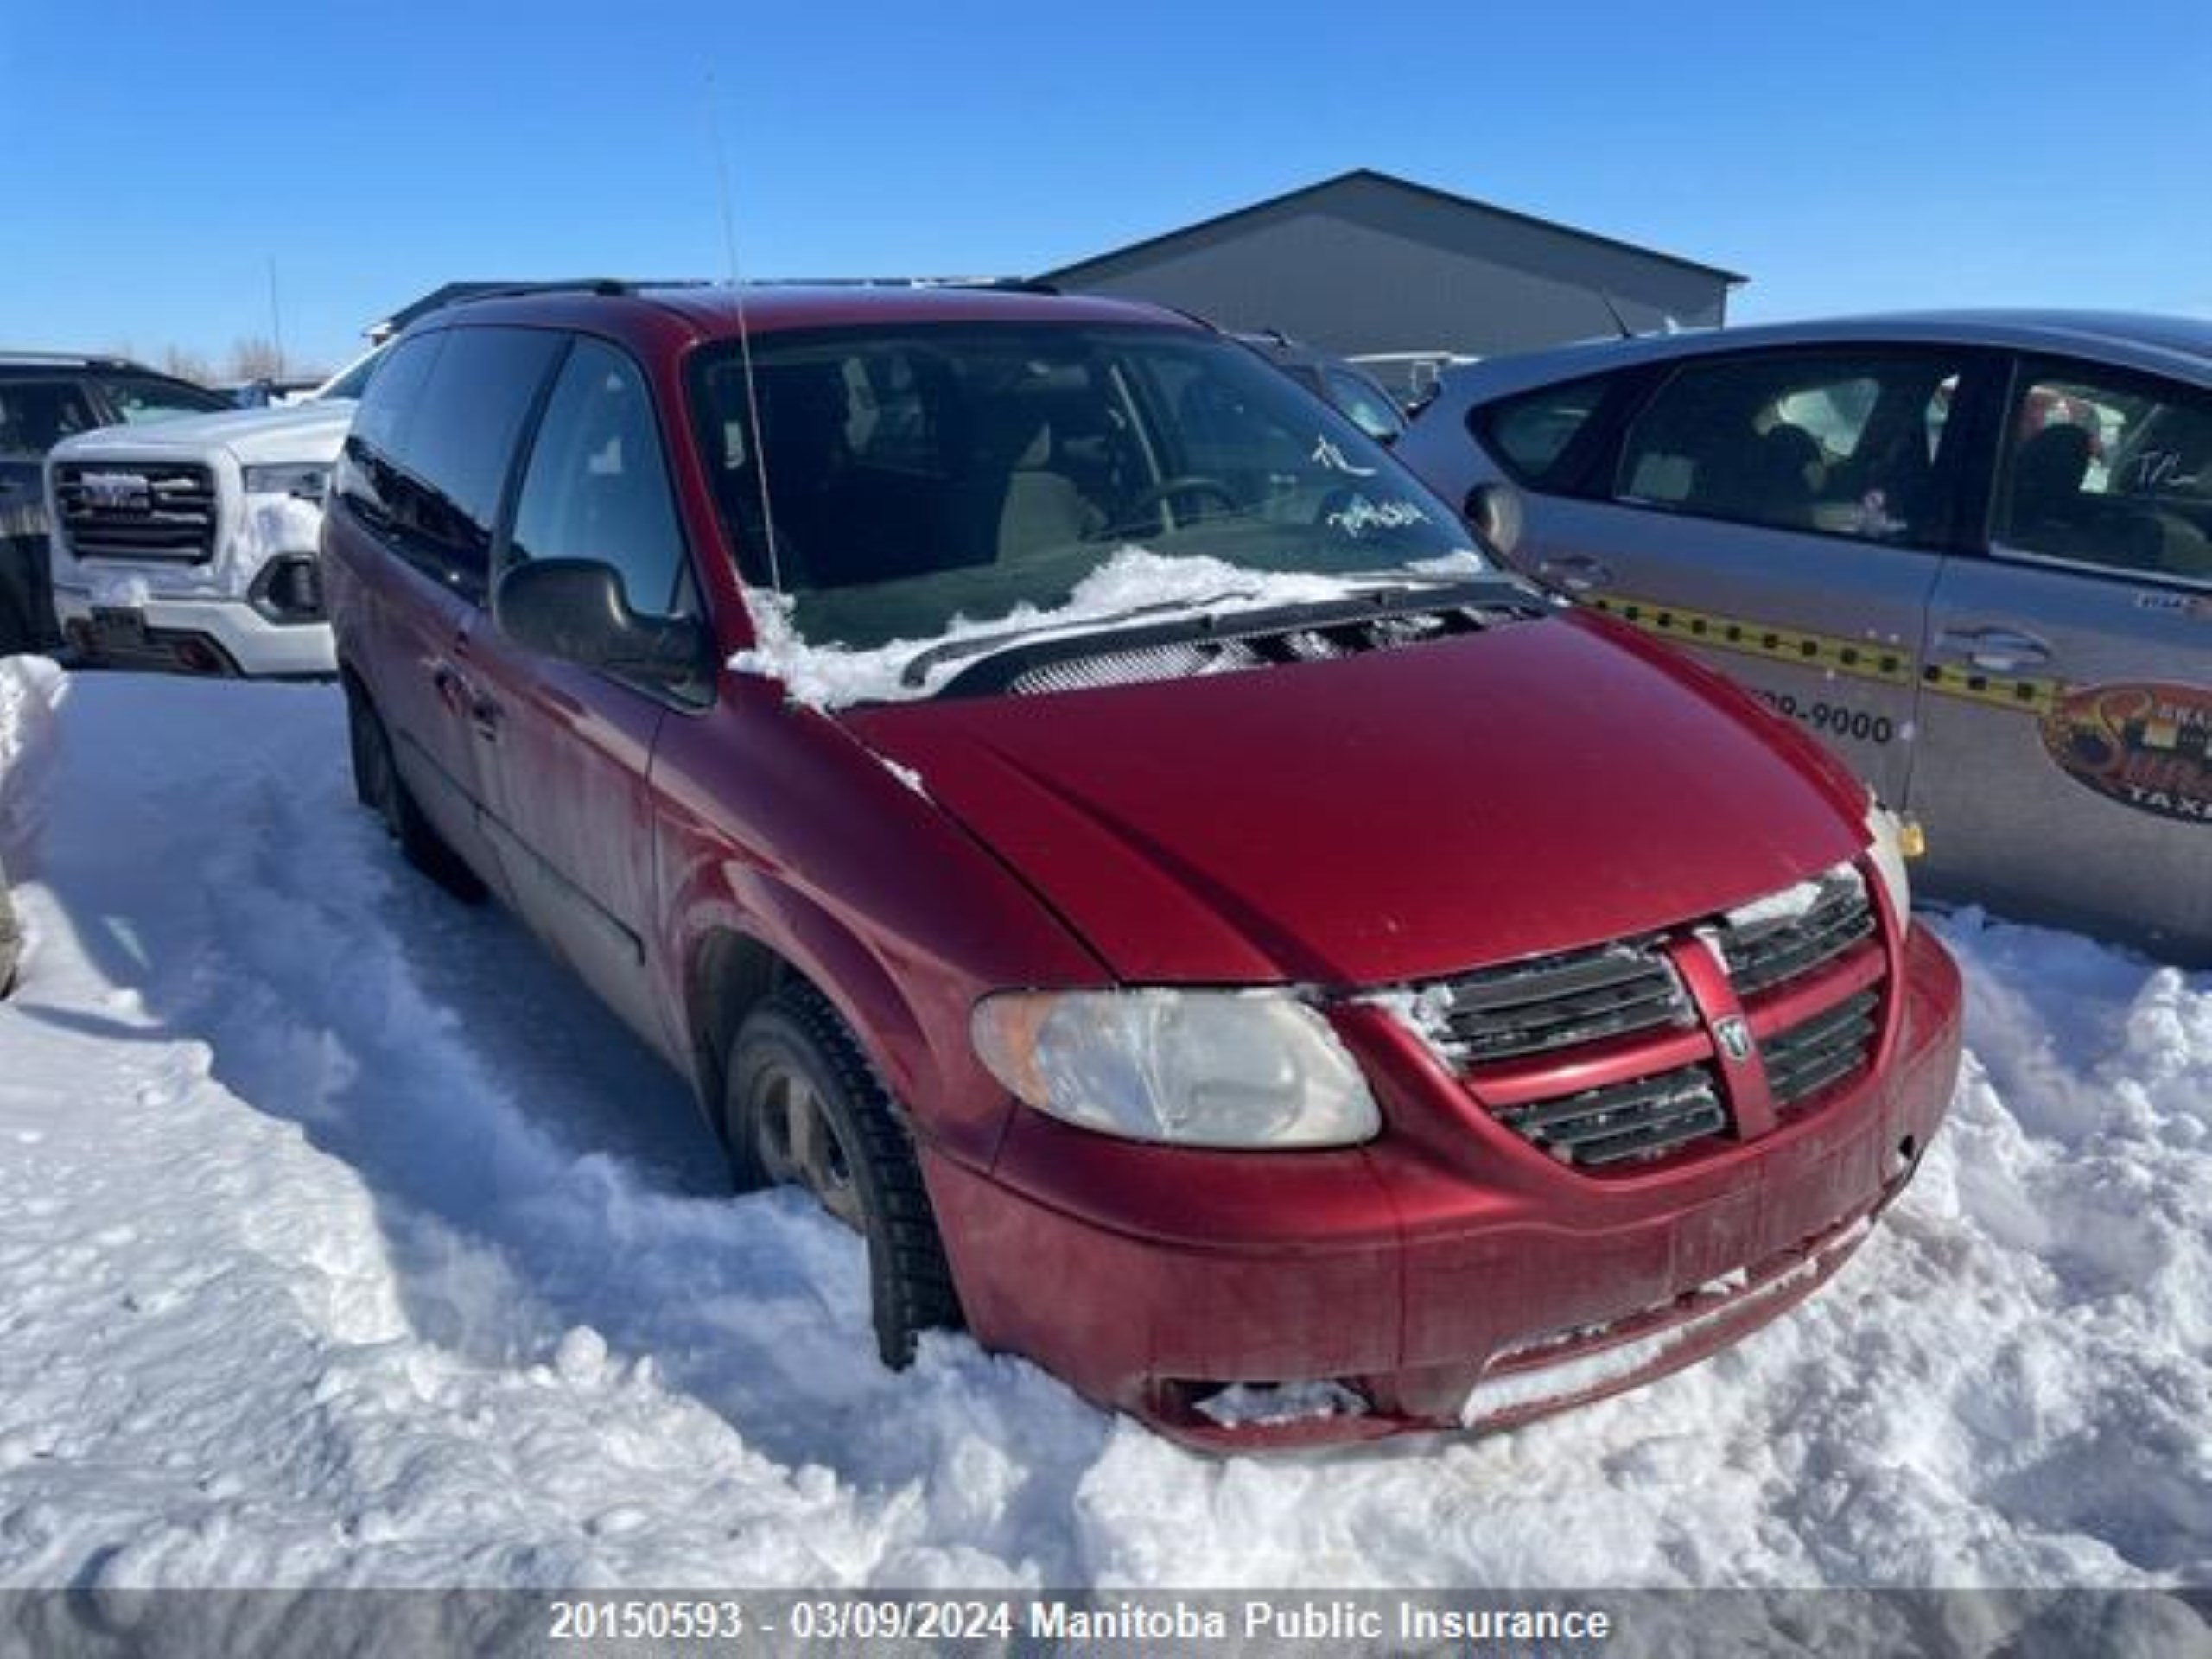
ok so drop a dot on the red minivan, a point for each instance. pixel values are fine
(1074, 804)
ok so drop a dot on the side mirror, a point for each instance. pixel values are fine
(575, 610)
(1493, 512)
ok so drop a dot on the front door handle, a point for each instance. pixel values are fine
(1575, 573)
(453, 690)
(1998, 651)
(486, 712)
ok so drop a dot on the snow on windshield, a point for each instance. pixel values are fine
(1136, 580)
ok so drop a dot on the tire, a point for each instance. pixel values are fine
(378, 786)
(794, 1056)
(16, 633)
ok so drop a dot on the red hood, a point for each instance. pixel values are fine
(1390, 816)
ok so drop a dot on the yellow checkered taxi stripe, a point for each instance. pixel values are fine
(1857, 658)
(1861, 658)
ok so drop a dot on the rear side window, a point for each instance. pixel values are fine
(596, 487)
(368, 470)
(2110, 470)
(432, 444)
(1530, 432)
(459, 450)
(1844, 445)
(35, 415)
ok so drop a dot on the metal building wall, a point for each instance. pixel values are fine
(1370, 265)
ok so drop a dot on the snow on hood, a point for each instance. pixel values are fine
(831, 676)
(309, 431)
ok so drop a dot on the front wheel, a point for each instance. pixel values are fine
(378, 786)
(803, 1109)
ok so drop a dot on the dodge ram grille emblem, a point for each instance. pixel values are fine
(1734, 1038)
(117, 492)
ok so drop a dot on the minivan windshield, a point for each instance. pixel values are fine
(921, 478)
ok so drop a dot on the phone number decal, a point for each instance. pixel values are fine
(1831, 718)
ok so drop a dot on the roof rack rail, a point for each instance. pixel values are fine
(90, 360)
(573, 285)
(1005, 285)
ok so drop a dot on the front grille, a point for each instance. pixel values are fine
(1563, 1004)
(1819, 1053)
(133, 510)
(1763, 950)
(1556, 1002)
(1644, 1119)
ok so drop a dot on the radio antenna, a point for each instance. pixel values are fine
(744, 334)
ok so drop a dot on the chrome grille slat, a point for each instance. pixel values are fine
(1644, 1117)
(1556, 1002)
(1820, 1052)
(1761, 957)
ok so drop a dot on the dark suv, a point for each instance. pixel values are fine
(1079, 808)
(45, 397)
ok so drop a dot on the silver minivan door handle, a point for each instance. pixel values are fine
(2000, 650)
(1575, 573)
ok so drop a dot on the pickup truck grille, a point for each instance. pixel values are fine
(1504, 1027)
(130, 510)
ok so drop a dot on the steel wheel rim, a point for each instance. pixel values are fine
(800, 1146)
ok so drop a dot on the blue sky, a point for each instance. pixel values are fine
(1846, 157)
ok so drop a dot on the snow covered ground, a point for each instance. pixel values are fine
(343, 1240)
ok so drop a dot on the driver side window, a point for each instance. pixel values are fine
(597, 484)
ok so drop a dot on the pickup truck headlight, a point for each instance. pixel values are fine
(1249, 1068)
(308, 480)
(1890, 840)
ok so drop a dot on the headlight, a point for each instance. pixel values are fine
(1255, 1069)
(1891, 841)
(305, 480)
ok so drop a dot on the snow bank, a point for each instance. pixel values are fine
(830, 677)
(31, 691)
(343, 1241)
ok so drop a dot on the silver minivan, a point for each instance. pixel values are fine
(1971, 551)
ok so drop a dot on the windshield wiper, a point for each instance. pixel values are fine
(1465, 605)
(1371, 585)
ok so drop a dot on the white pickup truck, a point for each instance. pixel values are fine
(192, 547)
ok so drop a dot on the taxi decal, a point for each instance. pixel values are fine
(2147, 746)
(1862, 660)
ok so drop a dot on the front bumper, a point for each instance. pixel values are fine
(1445, 1275)
(194, 634)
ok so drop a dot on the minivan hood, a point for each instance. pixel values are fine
(303, 432)
(1538, 787)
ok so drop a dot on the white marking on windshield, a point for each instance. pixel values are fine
(1364, 515)
(1325, 453)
